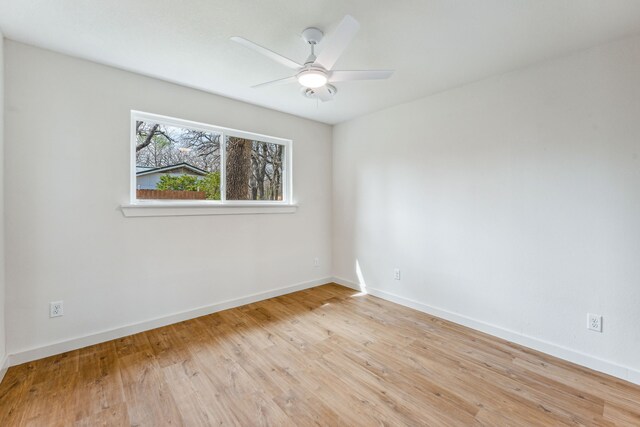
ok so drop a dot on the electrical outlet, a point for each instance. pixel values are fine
(56, 309)
(396, 274)
(316, 262)
(594, 322)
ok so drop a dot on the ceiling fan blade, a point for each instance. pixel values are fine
(344, 76)
(338, 42)
(268, 53)
(323, 93)
(278, 82)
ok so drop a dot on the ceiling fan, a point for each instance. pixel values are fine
(316, 74)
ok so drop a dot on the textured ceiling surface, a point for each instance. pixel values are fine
(432, 44)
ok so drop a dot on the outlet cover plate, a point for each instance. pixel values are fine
(56, 309)
(594, 322)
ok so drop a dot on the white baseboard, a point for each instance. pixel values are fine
(347, 284)
(4, 366)
(564, 353)
(573, 356)
(36, 353)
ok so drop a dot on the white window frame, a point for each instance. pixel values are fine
(207, 207)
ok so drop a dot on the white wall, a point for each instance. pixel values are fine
(3, 352)
(67, 172)
(511, 204)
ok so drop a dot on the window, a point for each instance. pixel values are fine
(178, 161)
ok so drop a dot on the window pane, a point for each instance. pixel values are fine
(253, 169)
(176, 163)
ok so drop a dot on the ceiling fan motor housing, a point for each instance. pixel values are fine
(312, 35)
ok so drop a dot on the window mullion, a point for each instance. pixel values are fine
(223, 168)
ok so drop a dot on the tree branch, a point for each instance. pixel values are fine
(148, 139)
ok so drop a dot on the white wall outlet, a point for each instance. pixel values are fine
(594, 322)
(396, 274)
(316, 262)
(56, 309)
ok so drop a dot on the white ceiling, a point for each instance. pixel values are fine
(432, 44)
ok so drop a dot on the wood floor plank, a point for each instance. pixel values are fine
(15, 392)
(113, 416)
(197, 401)
(99, 385)
(322, 356)
(149, 398)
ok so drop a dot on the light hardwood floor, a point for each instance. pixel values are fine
(324, 356)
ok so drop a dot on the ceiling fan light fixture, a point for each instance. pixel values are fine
(312, 79)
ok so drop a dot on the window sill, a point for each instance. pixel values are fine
(189, 209)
